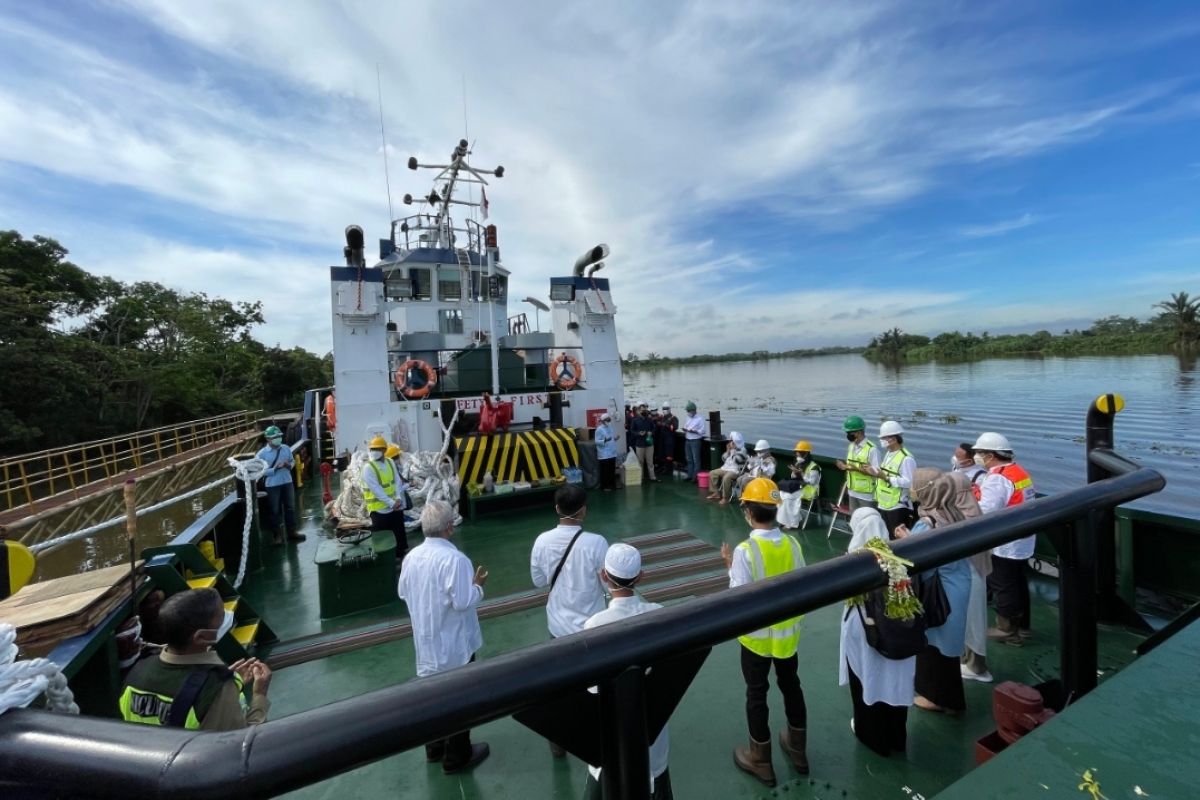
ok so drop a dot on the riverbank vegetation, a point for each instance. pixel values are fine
(85, 356)
(1174, 329)
(654, 360)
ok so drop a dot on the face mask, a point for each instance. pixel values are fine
(953, 463)
(376, 455)
(852, 436)
(226, 625)
(979, 460)
(274, 442)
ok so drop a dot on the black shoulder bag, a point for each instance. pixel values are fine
(558, 569)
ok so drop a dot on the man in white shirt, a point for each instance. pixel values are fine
(569, 560)
(621, 572)
(693, 432)
(1006, 484)
(442, 592)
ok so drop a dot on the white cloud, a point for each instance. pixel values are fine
(998, 228)
(631, 126)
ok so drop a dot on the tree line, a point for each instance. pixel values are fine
(1175, 328)
(85, 356)
(652, 359)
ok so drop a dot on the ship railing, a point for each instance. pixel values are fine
(35, 479)
(423, 230)
(60, 755)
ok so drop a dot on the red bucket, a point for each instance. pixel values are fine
(702, 480)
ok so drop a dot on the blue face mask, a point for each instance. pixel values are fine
(275, 442)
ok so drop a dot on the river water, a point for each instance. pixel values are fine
(1040, 404)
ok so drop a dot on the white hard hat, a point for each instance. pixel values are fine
(666, 406)
(890, 428)
(762, 445)
(623, 561)
(993, 442)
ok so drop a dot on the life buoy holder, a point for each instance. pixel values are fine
(566, 371)
(415, 379)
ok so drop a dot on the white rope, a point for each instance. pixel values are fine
(247, 470)
(21, 682)
(83, 533)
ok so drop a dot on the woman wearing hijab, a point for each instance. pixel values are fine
(938, 681)
(880, 688)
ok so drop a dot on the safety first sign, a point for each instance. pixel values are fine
(537, 399)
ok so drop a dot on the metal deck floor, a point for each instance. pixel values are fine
(709, 721)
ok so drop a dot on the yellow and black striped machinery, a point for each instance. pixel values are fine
(522, 456)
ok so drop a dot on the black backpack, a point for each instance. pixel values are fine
(896, 639)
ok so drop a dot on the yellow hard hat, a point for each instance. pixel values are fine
(378, 443)
(761, 490)
(803, 445)
(393, 450)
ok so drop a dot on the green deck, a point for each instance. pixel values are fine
(710, 719)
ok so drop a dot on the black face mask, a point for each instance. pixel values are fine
(851, 436)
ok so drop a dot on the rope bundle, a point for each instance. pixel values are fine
(22, 682)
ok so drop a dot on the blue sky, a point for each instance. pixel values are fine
(769, 175)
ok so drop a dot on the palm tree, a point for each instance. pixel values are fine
(1181, 313)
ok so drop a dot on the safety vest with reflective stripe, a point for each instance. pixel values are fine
(768, 559)
(857, 481)
(377, 503)
(152, 686)
(1022, 484)
(810, 490)
(886, 495)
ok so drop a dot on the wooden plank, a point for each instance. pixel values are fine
(61, 587)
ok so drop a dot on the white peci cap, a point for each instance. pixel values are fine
(623, 561)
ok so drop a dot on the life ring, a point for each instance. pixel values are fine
(415, 379)
(566, 371)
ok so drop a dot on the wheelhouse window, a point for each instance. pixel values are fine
(449, 284)
(450, 320)
(422, 283)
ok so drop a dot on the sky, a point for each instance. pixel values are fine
(769, 175)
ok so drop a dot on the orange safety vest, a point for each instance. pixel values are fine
(1017, 476)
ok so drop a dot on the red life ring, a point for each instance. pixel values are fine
(415, 379)
(566, 371)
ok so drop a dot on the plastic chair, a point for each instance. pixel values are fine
(839, 509)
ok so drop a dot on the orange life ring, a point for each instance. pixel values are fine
(566, 371)
(415, 379)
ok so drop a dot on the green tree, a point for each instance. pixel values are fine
(1180, 312)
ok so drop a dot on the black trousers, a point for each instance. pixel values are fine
(894, 517)
(939, 679)
(608, 473)
(756, 670)
(879, 726)
(453, 751)
(392, 521)
(1009, 588)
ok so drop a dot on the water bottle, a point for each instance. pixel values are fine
(489, 483)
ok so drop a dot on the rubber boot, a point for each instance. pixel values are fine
(793, 742)
(756, 760)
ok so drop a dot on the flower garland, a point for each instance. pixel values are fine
(900, 603)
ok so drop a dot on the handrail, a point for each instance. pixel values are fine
(100, 758)
(32, 478)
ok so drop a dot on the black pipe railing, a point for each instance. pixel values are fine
(51, 755)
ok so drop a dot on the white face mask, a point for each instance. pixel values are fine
(954, 463)
(376, 455)
(979, 460)
(226, 625)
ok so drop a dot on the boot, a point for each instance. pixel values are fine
(1005, 631)
(793, 742)
(479, 751)
(756, 760)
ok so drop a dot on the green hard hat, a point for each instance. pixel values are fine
(690, 406)
(854, 424)
(273, 432)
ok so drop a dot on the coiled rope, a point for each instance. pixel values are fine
(22, 682)
(247, 470)
(83, 533)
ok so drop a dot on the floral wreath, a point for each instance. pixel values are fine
(900, 603)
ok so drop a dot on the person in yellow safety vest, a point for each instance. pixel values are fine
(862, 459)
(806, 473)
(894, 479)
(187, 685)
(766, 553)
(383, 489)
